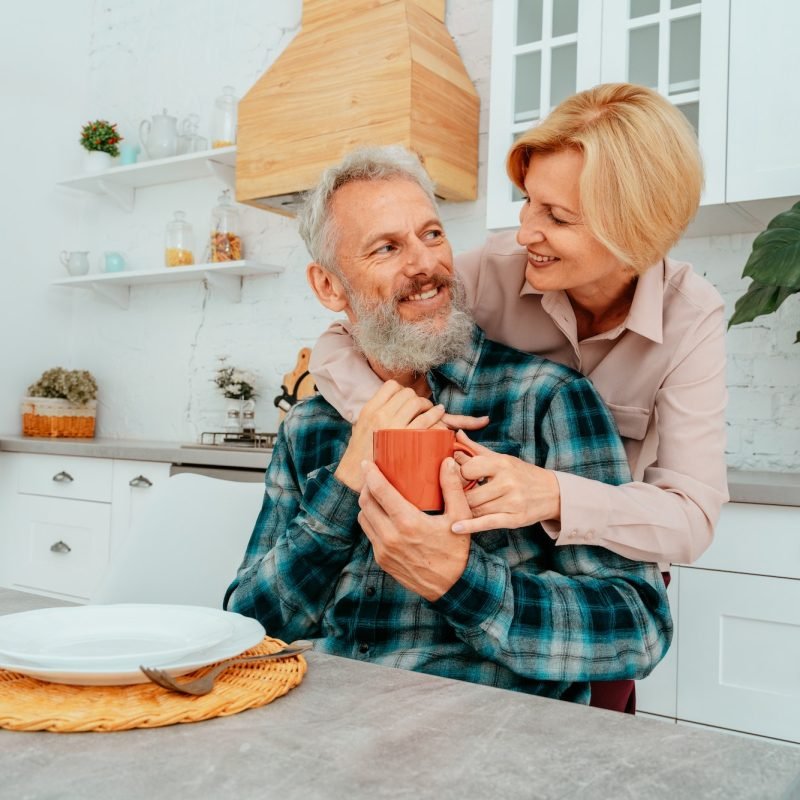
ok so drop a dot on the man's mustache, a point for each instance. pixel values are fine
(418, 285)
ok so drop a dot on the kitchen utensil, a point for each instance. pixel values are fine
(205, 683)
(75, 261)
(113, 261)
(159, 136)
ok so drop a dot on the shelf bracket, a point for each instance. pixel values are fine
(225, 172)
(229, 285)
(121, 194)
(120, 295)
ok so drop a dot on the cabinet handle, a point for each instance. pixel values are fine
(63, 477)
(140, 481)
(60, 547)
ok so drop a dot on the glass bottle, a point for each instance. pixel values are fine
(225, 243)
(179, 244)
(223, 118)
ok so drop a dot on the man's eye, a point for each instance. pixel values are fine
(384, 249)
(436, 233)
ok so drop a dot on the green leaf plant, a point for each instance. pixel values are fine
(774, 266)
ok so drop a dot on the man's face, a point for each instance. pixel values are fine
(391, 247)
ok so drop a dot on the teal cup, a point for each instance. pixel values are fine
(128, 153)
(114, 262)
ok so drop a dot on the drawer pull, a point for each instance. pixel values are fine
(140, 481)
(63, 477)
(60, 547)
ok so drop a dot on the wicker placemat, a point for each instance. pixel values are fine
(28, 704)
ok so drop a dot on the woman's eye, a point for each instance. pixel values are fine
(556, 219)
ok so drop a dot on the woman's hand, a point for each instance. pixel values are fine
(511, 493)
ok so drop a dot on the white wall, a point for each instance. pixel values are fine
(128, 59)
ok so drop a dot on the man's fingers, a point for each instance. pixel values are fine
(385, 495)
(458, 421)
(455, 502)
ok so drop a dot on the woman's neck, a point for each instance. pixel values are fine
(603, 308)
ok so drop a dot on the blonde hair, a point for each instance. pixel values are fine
(642, 173)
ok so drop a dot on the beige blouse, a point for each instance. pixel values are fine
(661, 373)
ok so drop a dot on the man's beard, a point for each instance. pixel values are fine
(398, 345)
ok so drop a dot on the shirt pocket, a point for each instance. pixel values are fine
(631, 421)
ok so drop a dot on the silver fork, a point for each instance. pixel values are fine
(205, 683)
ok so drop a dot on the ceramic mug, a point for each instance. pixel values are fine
(411, 460)
(75, 261)
(113, 261)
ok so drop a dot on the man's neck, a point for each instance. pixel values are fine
(416, 381)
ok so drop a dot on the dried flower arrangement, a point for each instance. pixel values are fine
(77, 386)
(101, 135)
(236, 384)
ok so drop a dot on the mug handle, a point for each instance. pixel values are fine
(64, 257)
(459, 447)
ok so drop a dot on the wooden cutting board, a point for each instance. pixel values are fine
(298, 383)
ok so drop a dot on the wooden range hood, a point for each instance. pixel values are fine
(358, 72)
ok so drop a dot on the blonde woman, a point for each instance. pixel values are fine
(611, 178)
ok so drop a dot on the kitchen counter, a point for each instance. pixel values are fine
(354, 730)
(746, 486)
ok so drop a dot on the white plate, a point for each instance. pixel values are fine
(245, 633)
(110, 636)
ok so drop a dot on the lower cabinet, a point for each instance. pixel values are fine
(62, 518)
(735, 658)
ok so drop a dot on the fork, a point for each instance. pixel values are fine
(205, 683)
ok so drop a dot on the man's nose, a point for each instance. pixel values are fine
(420, 259)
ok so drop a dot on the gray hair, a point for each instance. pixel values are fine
(363, 164)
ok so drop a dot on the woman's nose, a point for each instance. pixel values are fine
(529, 230)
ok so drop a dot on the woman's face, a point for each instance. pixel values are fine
(562, 254)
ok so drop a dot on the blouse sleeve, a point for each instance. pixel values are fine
(670, 515)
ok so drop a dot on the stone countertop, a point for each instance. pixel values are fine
(356, 730)
(773, 488)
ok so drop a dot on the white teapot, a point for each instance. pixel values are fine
(159, 137)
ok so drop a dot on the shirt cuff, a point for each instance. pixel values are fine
(331, 506)
(585, 511)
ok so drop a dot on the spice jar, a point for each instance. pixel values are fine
(225, 243)
(223, 119)
(179, 244)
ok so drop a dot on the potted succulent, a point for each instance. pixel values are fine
(774, 266)
(100, 139)
(61, 403)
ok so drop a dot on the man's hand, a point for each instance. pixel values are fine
(392, 406)
(511, 493)
(417, 550)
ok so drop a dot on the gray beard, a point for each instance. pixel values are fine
(398, 346)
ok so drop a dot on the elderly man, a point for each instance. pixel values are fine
(339, 556)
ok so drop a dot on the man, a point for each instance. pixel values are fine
(338, 555)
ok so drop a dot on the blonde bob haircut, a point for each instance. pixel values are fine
(642, 172)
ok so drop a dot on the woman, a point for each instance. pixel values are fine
(611, 178)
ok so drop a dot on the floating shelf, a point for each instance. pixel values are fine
(120, 183)
(116, 286)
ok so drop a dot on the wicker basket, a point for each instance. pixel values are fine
(48, 416)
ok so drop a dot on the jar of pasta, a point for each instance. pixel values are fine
(179, 244)
(223, 118)
(225, 243)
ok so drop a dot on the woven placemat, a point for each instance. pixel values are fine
(28, 704)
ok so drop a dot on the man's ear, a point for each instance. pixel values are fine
(327, 287)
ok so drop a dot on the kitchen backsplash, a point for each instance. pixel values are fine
(156, 360)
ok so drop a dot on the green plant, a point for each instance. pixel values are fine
(236, 384)
(774, 266)
(101, 135)
(76, 385)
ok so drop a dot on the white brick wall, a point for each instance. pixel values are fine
(127, 60)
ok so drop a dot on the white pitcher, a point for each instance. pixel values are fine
(76, 261)
(159, 137)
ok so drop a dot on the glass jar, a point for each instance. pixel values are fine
(225, 243)
(223, 119)
(179, 242)
(189, 141)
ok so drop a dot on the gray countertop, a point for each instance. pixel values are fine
(774, 488)
(354, 730)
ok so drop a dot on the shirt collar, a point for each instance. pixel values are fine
(460, 371)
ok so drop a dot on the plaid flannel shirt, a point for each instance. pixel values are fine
(525, 614)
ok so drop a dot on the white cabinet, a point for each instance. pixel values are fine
(722, 62)
(63, 518)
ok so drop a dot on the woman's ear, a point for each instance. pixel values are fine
(327, 287)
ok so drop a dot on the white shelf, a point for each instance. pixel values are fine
(116, 286)
(121, 183)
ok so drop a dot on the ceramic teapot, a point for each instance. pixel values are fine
(159, 136)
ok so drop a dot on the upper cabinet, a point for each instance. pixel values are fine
(722, 62)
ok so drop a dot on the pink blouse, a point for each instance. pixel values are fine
(661, 373)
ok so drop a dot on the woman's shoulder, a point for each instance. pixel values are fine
(685, 288)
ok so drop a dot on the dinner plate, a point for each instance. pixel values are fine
(110, 635)
(244, 634)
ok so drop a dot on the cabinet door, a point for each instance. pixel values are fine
(739, 652)
(658, 692)
(763, 115)
(59, 546)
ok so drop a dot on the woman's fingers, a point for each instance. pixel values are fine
(490, 522)
(458, 421)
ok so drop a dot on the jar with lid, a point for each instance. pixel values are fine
(225, 243)
(223, 119)
(179, 242)
(189, 141)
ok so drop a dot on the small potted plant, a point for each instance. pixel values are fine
(100, 139)
(62, 403)
(238, 387)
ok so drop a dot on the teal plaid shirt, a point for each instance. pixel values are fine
(525, 614)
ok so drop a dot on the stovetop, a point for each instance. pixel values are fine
(243, 441)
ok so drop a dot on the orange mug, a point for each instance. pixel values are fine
(411, 460)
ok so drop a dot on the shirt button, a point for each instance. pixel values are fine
(370, 591)
(363, 647)
(573, 534)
